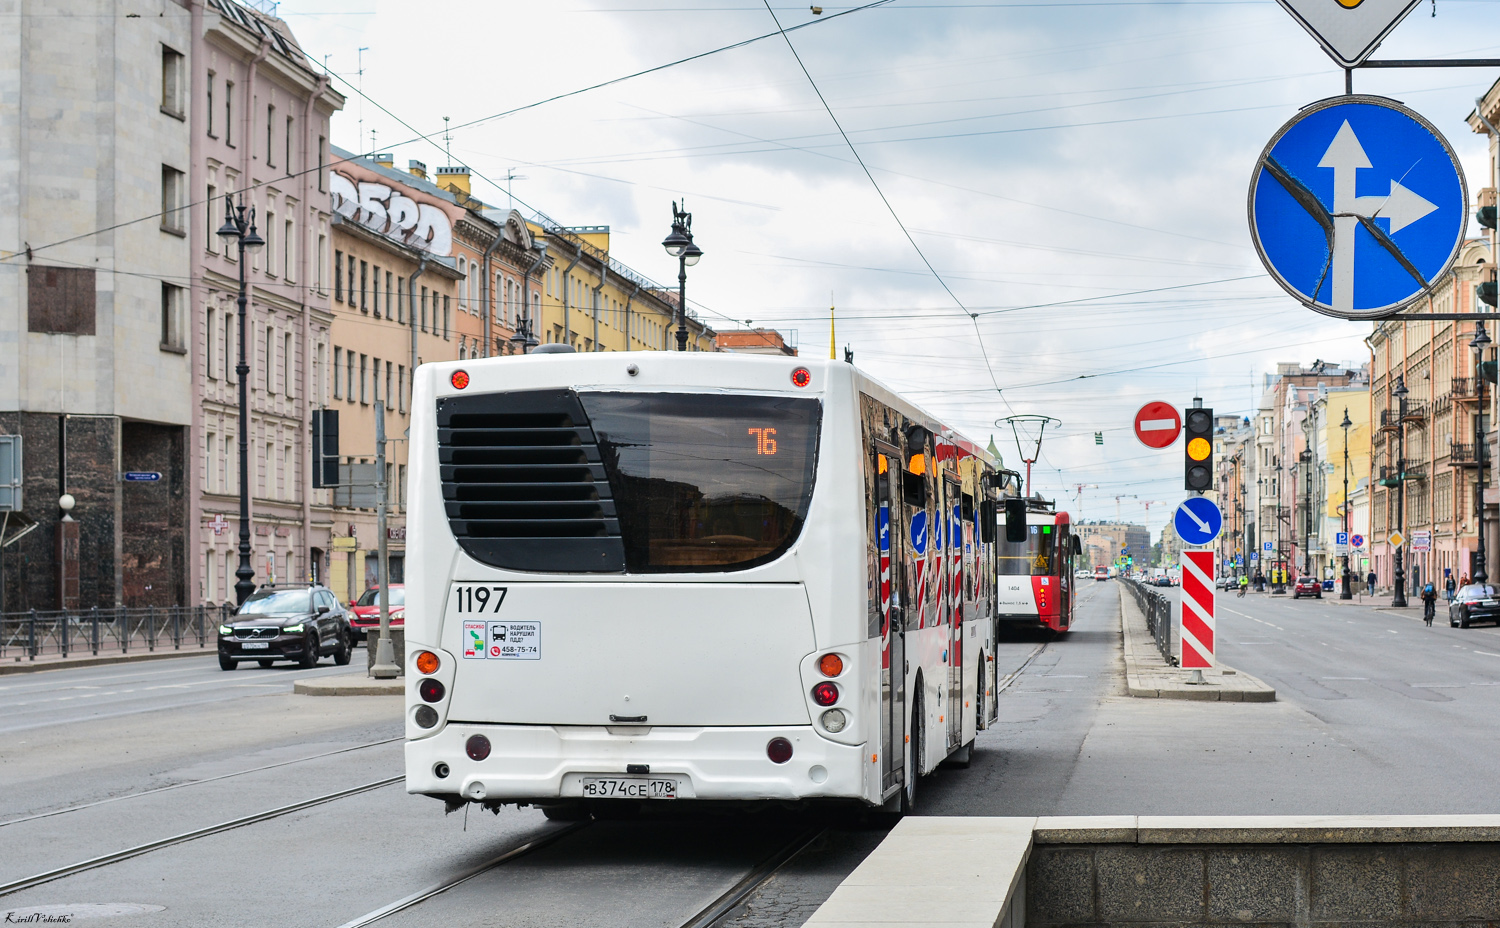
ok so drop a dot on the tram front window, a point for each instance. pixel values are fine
(706, 482)
(1036, 556)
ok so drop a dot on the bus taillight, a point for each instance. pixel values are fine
(830, 665)
(430, 690)
(427, 662)
(477, 747)
(779, 750)
(825, 694)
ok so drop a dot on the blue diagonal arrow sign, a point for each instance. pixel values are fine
(1198, 521)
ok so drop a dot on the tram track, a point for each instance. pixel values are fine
(117, 856)
(223, 776)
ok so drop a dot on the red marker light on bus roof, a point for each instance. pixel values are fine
(801, 377)
(460, 379)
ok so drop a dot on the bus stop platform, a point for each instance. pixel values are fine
(1148, 675)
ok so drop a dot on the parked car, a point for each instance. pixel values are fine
(365, 613)
(1474, 603)
(1307, 586)
(286, 622)
(1226, 583)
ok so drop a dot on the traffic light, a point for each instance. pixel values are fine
(1198, 449)
(325, 443)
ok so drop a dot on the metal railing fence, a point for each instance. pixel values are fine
(32, 634)
(1158, 611)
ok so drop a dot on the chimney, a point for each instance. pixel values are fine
(386, 160)
(417, 168)
(455, 179)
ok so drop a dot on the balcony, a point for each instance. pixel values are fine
(1416, 414)
(1462, 454)
(1465, 389)
(1414, 471)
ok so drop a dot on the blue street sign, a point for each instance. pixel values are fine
(1254, 555)
(1266, 546)
(1358, 541)
(1341, 538)
(1357, 206)
(142, 476)
(1198, 521)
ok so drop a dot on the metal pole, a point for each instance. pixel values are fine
(1399, 597)
(1481, 438)
(245, 585)
(1346, 591)
(385, 653)
(682, 329)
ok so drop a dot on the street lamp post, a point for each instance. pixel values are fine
(679, 244)
(1481, 439)
(1345, 590)
(1306, 458)
(241, 227)
(522, 340)
(1400, 393)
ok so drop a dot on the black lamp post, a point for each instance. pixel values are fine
(679, 244)
(522, 340)
(241, 227)
(1345, 591)
(1481, 439)
(1400, 393)
(1306, 457)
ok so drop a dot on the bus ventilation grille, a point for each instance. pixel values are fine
(523, 483)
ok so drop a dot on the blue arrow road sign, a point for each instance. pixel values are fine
(1198, 521)
(1357, 206)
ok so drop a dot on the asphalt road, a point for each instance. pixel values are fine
(1375, 713)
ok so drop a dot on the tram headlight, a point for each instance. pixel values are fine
(834, 720)
(825, 694)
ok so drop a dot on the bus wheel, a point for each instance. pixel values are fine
(914, 761)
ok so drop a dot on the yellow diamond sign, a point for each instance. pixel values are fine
(1396, 539)
(1349, 30)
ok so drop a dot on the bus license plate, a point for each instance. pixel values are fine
(628, 788)
(256, 645)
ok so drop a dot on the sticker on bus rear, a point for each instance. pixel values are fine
(515, 641)
(474, 640)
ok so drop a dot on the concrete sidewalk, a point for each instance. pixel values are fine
(350, 684)
(1148, 675)
(21, 664)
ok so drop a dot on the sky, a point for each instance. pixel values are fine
(1050, 218)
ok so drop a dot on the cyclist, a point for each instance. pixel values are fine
(1429, 603)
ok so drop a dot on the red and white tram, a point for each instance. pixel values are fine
(1034, 564)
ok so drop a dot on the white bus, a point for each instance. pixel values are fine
(656, 576)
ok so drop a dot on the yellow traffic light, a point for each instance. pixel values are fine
(1199, 449)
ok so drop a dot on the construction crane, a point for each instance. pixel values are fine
(1078, 489)
(1117, 503)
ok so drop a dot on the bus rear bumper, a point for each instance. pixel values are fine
(541, 763)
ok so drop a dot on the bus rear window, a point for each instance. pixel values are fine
(1034, 557)
(706, 482)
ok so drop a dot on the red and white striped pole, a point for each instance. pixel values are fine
(1196, 618)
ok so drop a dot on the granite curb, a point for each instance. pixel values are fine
(1149, 676)
(351, 684)
(65, 663)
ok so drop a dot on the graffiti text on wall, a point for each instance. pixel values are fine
(380, 209)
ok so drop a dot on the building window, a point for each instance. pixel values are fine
(401, 301)
(375, 380)
(270, 131)
(463, 268)
(424, 309)
(270, 359)
(445, 317)
(211, 228)
(349, 376)
(171, 317)
(364, 380)
(401, 387)
(364, 282)
(322, 164)
(270, 243)
(287, 356)
(288, 248)
(211, 105)
(289, 133)
(322, 257)
(350, 291)
(210, 444)
(338, 362)
(463, 348)
(229, 113)
(210, 332)
(171, 200)
(172, 84)
(375, 291)
(268, 476)
(338, 275)
(288, 469)
(229, 342)
(389, 294)
(388, 404)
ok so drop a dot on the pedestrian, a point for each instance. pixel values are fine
(1448, 584)
(1370, 583)
(1429, 604)
(1464, 581)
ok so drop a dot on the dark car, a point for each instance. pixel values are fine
(1474, 603)
(286, 623)
(1309, 586)
(365, 613)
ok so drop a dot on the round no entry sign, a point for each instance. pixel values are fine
(1157, 424)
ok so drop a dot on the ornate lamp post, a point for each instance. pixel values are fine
(523, 341)
(1400, 393)
(1345, 592)
(240, 227)
(1481, 439)
(679, 244)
